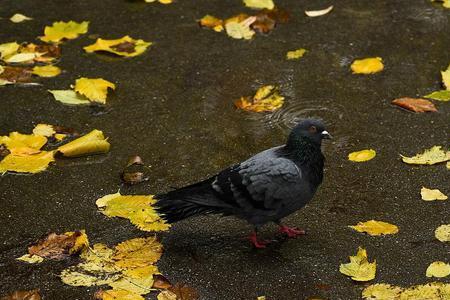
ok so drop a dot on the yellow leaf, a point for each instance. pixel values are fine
(125, 46)
(167, 295)
(295, 54)
(18, 18)
(240, 30)
(165, 1)
(20, 57)
(259, 4)
(33, 163)
(430, 291)
(361, 156)
(446, 78)
(73, 277)
(430, 156)
(438, 269)
(375, 228)
(266, 98)
(359, 268)
(18, 140)
(69, 97)
(318, 13)
(138, 209)
(8, 49)
(138, 280)
(46, 71)
(94, 89)
(431, 195)
(442, 233)
(31, 259)
(381, 291)
(212, 22)
(81, 242)
(138, 252)
(367, 65)
(44, 130)
(117, 295)
(92, 143)
(64, 30)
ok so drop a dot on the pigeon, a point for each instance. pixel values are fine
(264, 188)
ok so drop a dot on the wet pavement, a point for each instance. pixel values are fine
(173, 106)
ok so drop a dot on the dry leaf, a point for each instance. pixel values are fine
(92, 143)
(184, 292)
(362, 155)
(59, 246)
(46, 71)
(442, 233)
(31, 259)
(318, 13)
(69, 97)
(18, 18)
(431, 195)
(240, 30)
(295, 54)
(266, 98)
(430, 156)
(375, 228)
(212, 22)
(23, 295)
(64, 30)
(415, 104)
(438, 269)
(95, 90)
(117, 295)
(259, 4)
(12, 75)
(125, 46)
(359, 268)
(381, 291)
(367, 65)
(439, 95)
(160, 282)
(263, 22)
(137, 208)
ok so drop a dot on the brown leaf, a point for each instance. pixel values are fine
(65, 130)
(161, 282)
(279, 15)
(23, 295)
(415, 104)
(263, 23)
(54, 246)
(133, 177)
(16, 74)
(125, 47)
(184, 292)
(134, 160)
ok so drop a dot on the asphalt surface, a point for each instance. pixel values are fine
(173, 106)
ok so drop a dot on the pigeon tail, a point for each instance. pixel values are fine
(189, 201)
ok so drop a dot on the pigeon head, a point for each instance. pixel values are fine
(311, 130)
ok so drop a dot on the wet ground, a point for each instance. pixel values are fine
(174, 107)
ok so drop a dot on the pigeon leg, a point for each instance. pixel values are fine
(258, 244)
(291, 232)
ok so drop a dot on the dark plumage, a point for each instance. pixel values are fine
(265, 188)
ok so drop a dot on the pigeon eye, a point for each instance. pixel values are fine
(312, 129)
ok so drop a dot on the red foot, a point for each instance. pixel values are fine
(291, 232)
(256, 243)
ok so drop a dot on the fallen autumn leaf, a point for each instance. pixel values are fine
(359, 268)
(415, 104)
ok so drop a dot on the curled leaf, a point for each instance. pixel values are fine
(92, 143)
(367, 65)
(18, 18)
(415, 104)
(318, 13)
(94, 89)
(361, 156)
(359, 268)
(375, 228)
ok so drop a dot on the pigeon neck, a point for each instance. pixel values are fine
(306, 153)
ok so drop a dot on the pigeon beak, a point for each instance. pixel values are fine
(326, 135)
